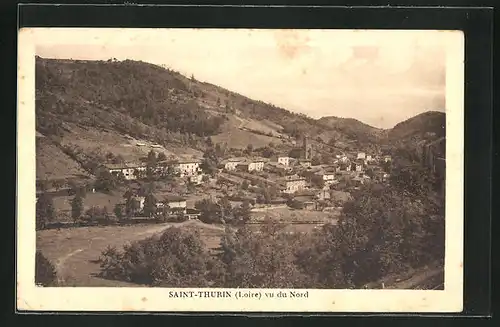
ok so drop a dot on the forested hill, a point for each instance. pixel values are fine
(101, 91)
(353, 128)
(429, 125)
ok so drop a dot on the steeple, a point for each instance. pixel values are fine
(306, 149)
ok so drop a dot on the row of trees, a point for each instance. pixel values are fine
(222, 212)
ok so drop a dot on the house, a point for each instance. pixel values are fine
(176, 203)
(292, 184)
(130, 171)
(192, 213)
(324, 194)
(361, 155)
(345, 166)
(285, 161)
(251, 165)
(305, 163)
(358, 165)
(232, 163)
(368, 159)
(306, 202)
(328, 176)
(196, 179)
(344, 159)
(387, 158)
(189, 167)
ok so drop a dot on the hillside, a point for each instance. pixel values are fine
(353, 129)
(429, 125)
(97, 111)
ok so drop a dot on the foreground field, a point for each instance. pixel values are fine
(74, 251)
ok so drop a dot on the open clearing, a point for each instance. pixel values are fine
(74, 250)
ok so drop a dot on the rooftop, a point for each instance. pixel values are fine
(125, 165)
(174, 198)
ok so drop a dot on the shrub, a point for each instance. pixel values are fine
(176, 258)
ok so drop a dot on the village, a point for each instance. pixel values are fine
(263, 183)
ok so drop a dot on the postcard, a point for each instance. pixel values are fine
(240, 170)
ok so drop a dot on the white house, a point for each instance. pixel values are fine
(176, 203)
(293, 184)
(252, 165)
(387, 158)
(189, 167)
(129, 171)
(359, 165)
(232, 163)
(328, 177)
(196, 179)
(361, 155)
(305, 163)
(285, 161)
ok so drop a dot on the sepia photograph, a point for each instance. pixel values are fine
(240, 169)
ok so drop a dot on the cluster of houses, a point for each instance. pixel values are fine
(289, 166)
(185, 168)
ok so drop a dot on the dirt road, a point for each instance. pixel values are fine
(73, 251)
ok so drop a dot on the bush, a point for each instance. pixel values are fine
(176, 258)
(45, 272)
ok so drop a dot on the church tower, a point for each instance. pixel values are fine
(307, 149)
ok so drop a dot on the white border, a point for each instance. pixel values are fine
(30, 297)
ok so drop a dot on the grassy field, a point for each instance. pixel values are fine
(52, 163)
(74, 250)
(96, 139)
(62, 204)
(237, 138)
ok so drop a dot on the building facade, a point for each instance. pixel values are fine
(189, 168)
(293, 185)
(176, 204)
(129, 171)
(256, 166)
(285, 161)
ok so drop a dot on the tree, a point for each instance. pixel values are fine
(105, 182)
(210, 161)
(242, 214)
(317, 181)
(267, 152)
(245, 185)
(94, 213)
(151, 165)
(295, 153)
(162, 156)
(44, 210)
(76, 207)
(57, 185)
(149, 205)
(132, 205)
(118, 210)
(249, 149)
(176, 258)
(45, 272)
(315, 161)
(260, 260)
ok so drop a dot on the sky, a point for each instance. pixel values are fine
(378, 77)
